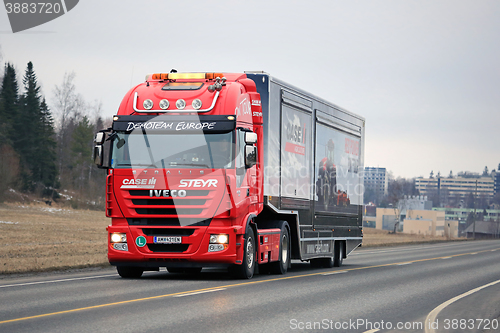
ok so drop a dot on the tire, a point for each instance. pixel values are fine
(281, 266)
(247, 267)
(339, 254)
(129, 272)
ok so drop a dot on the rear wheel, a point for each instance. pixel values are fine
(129, 272)
(247, 268)
(281, 266)
(339, 254)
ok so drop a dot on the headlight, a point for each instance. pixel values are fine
(148, 104)
(118, 238)
(219, 239)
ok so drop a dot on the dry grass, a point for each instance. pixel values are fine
(376, 237)
(41, 237)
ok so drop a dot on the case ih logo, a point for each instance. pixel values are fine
(25, 14)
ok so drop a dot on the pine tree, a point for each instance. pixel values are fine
(9, 104)
(34, 136)
(46, 171)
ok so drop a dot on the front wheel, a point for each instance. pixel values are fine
(247, 268)
(129, 272)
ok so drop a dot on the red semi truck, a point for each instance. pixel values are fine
(234, 170)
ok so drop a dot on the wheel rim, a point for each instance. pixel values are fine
(284, 250)
(250, 252)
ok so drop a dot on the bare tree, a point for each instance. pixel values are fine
(67, 102)
(68, 106)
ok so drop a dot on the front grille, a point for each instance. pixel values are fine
(168, 247)
(174, 221)
(168, 202)
(167, 232)
(189, 193)
(168, 211)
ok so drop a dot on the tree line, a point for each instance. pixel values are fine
(44, 152)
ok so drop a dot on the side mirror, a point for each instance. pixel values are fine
(101, 150)
(250, 156)
(99, 138)
(250, 138)
(98, 155)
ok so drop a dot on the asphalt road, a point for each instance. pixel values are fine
(406, 289)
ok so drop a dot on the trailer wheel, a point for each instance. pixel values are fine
(129, 272)
(247, 268)
(281, 266)
(339, 254)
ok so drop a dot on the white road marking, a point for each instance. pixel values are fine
(445, 258)
(55, 281)
(431, 317)
(405, 263)
(372, 331)
(336, 272)
(201, 292)
(405, 248)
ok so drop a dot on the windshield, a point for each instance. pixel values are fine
(134, 150)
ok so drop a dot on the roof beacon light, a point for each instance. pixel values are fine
(184, 76)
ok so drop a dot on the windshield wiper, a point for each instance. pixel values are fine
(189, 164)
(137, 164)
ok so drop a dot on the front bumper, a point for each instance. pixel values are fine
(192, 252)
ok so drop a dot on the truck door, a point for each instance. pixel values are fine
(245, 177)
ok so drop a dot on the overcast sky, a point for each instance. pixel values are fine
(424, 74)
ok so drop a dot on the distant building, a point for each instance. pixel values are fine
(496, 185)
(415, 202)
(484, 230)
(376, 179)
(422, 222)
(455, 187)
(461, 215)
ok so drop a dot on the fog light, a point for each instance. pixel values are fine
(118, 238)
(120, 246)
(215, 247)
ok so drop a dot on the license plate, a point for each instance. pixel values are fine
(167, 240)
